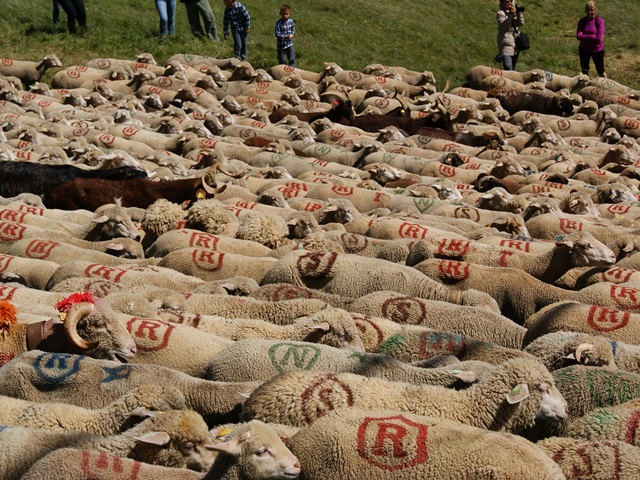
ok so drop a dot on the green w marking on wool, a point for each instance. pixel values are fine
(291, 356)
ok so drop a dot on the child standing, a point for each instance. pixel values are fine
(285, 30)
(236, 16)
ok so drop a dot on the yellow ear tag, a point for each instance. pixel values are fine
(516, 390)
(455, 372)
(223, 432)
(62, 316)
(200, 194)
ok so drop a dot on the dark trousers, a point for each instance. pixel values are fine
(287, 54)
(239, 45)
(509, 61)
(598, 61)
(75, 12)
(56, 12)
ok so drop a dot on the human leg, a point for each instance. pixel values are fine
(161, 6)
(81, 13)
(237, 45)
(171, 16)
(507, 63)
(243, 46)
(291, 55)
(598, 61)
(282, 57)
(584, 61)
(56, 12)
(208, 18)
(70, 11)
(193, 16)
(514, 60)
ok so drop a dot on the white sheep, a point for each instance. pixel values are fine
(183, 434)
(333, 273)
(265, 358)
(355, 443)
(140, 402)
(509, 399)
(27, 71)
(598, 460)
(48, 377)
(249, 451)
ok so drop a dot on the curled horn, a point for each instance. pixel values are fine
(583, 348)
(400, 99)
(75, 314)
(212, 189)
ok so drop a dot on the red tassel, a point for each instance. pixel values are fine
(64, 305)
(8, 317)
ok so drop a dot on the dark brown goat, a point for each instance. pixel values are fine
(340, 111)
(91, 193)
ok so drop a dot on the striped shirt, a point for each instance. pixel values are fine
(284, 28)
(237, 16)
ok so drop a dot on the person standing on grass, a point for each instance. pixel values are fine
(75, 12)
(167, 13)
(509, 19)
(56, 12)
(237, 17)
(591, 36)
(197, 9)
(285, 30)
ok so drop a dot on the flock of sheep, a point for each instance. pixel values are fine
(332, 274)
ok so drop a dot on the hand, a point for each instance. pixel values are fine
(290, 37)
(226, 37)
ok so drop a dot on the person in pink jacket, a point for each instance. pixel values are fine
(591, 36)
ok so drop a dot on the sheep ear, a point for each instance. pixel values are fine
(233, 446)
(628, 247)
(465, 376)
(142, 412)
(323, 327)
(100, 219)
(155, 438)
(518, 394)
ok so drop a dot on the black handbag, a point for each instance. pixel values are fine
(522, 41)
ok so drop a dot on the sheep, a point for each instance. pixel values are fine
(574, 250)
(332, 273)
(556, 82)
(76, 464)
(509, 399)
(139, 276)
(355, 443)
(89, 327)
(518, 294)
(265, 358)
(330, 326)
(49, 377)
(560, 349)
(250, 451)
(27, 71)
(572, 316)
(472, 321)
(109, 420)
(477, 73)
(214, 265)
(182, 434)
(187, 237)
(587, 388)
(414, 344)
(597, 460)
(617, 423)
(34, 272)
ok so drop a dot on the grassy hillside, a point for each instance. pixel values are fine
(446, 37)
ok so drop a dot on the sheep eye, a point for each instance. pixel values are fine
(262, 451)
(189, 446)
(543, 388)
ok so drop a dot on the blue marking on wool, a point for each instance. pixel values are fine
(116, 373)
(57, 367)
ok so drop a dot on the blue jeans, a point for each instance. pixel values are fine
(167, 12)
(239, 45)
(285, 54)
(56, 12)
(509, 61)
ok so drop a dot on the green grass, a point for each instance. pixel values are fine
(446, 37)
